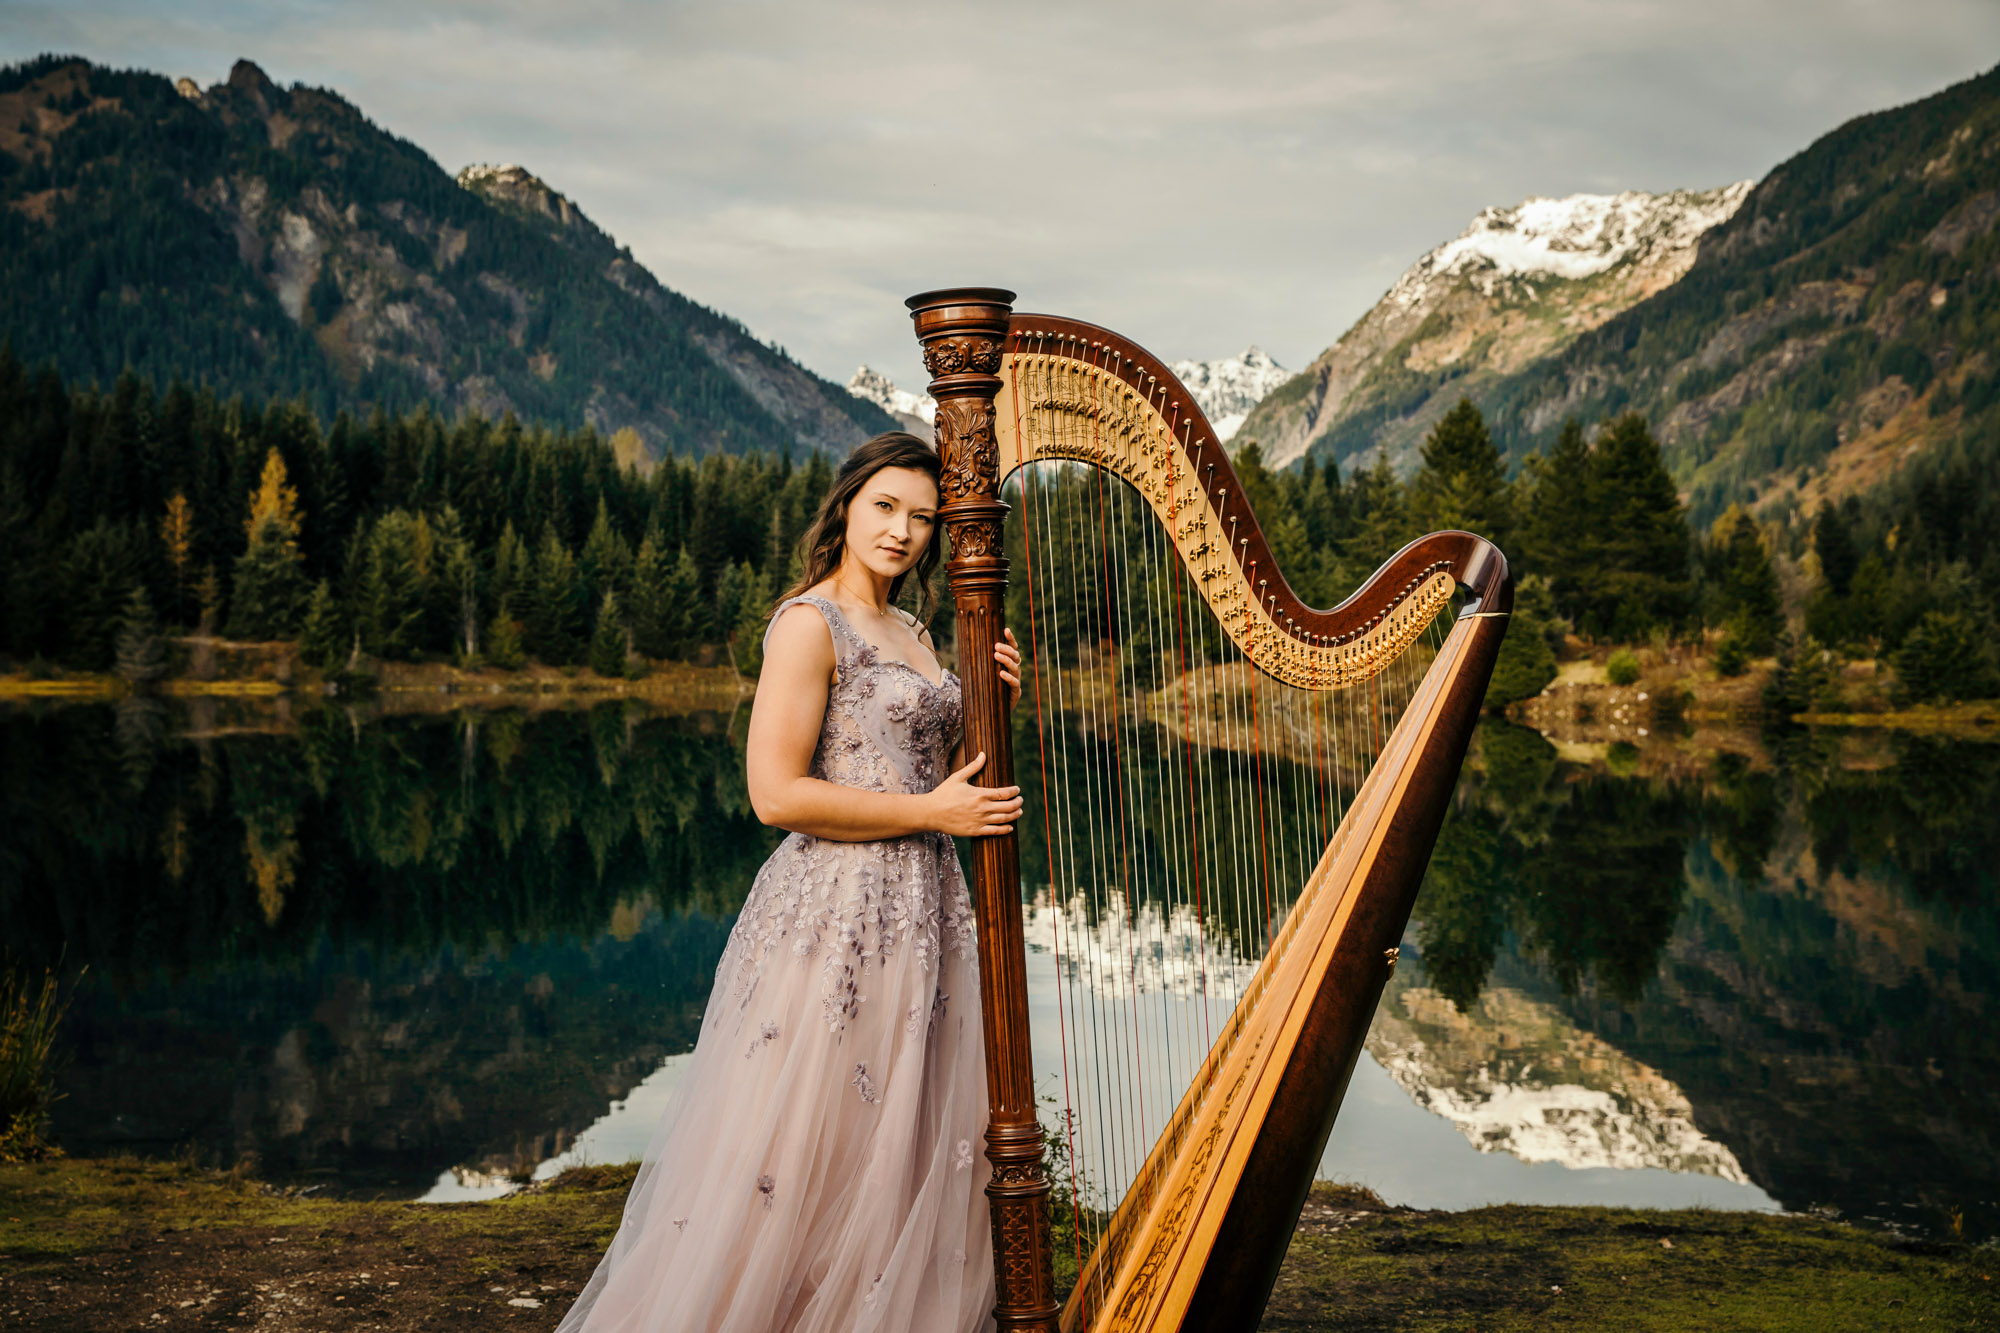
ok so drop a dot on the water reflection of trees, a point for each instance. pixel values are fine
(133, 851)
(1583, 870)
(1808, 947)
(368, 950)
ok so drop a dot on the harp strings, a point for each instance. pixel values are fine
(1184, 798)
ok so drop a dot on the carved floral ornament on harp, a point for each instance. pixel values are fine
(966, 447)
(962, 354)
(1059, 406)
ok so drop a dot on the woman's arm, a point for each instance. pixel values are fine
(784, 729)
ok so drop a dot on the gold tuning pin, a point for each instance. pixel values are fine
(1390, 956)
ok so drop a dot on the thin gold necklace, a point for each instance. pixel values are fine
(868, 602)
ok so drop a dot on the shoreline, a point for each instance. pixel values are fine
(1579, 708)
(408, 687)
(123, 1242)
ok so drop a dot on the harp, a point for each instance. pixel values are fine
(1233, 797)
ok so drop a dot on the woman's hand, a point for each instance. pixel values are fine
(965, 811)
(1008, 655)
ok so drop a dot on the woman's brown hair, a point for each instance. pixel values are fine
(825, 540)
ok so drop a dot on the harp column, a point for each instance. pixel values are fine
(963, 331)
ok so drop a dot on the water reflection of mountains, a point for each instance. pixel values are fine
(378, 949)
(1809, 949)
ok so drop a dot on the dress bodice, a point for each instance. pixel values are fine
(888, 727)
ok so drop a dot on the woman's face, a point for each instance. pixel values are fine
(891, 520)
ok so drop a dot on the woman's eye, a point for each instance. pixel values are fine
(882, 505)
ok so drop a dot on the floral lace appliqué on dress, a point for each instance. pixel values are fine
(824, 1181)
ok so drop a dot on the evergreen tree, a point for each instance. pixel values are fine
(177, 535)
(1527, 661)
(680, 615)
(1323, 505)
(1260, 488)
(608, 640)
(751, 617)
(512, 566)
(99, 569)
(652, 636)
(606, 562)
(552, 603)
(390, 604)
(1800, 676)
(781, 539)
(731, 593)
(1946, 657)
(270, 586)
(322, 637)
(1642, 577)
(454, 591)
(1833, 542)
(503, 640)
(1462, 484)
(140, 658)
(1747, 591)
(1382, 524)
(208, 596)
(1731, 657)
(1558, 532)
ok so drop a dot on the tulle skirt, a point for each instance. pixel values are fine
(821, 1168)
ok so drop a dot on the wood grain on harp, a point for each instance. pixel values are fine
(1304, 809)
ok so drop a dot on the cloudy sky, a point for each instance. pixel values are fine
(1199, 176)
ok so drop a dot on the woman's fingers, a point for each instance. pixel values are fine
(978, 762)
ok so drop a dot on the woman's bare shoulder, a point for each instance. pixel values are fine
(799, 630)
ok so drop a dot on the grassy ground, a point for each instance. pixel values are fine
(1355, 1265)
(126, 1244)
(1679, 688)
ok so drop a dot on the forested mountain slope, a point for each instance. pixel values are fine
(276, 242)
(1515, 286)
(1845, 319)
(1791, 343)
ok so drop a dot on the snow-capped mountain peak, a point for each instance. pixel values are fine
(1226, 390)
(1570, 238)
(875, 387)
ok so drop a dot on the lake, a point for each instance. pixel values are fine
(433, 955)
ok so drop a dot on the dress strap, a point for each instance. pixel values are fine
(847, 641)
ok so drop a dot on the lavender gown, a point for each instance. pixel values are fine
(820, 1169)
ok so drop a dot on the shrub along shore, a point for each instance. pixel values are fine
(121, 1243)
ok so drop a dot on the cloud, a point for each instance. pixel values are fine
(1198, 175)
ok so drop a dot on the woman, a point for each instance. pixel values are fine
(820, 1169)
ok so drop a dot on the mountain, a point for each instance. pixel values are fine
(1791, 342)
(913, 412)
(1515, 286)
(1226, 390)
(276, 242)
(1843, 320)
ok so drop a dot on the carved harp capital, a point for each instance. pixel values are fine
(963, 332)
(955, 356)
